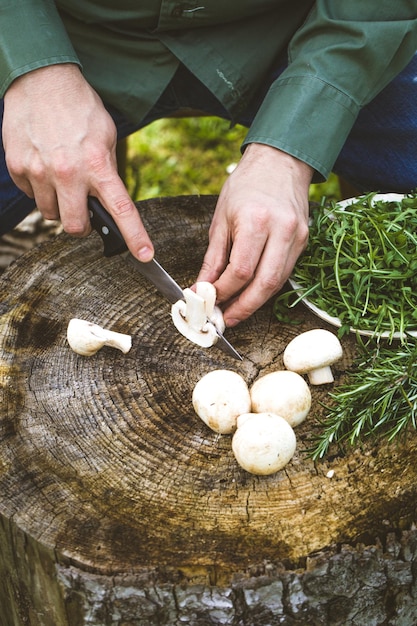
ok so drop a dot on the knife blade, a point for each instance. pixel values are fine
(114, 244)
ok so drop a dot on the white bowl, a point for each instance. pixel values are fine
(335, 321)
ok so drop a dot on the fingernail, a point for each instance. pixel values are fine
(145, 254)
(231, 322)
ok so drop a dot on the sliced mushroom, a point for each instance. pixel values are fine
(208, 292)
(263, 443)
(219, 398)
(284, 393)
(312, 353)
(196, 317)
(86, 338)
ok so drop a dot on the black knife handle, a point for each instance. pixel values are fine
(106, 227)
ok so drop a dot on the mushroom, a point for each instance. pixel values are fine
(284, 393)
(263, 443)
(196, 317)
(86, 338)
(207, 291)
(312, 353)
(219, 398)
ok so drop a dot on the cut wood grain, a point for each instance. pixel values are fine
(30, 232)
(114, 494)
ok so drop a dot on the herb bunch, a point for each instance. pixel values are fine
(378, 398)
(361, 265)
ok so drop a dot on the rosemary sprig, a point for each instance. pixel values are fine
(378, 398)
(361, 265)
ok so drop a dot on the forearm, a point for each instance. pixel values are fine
(35, 38)
(338, 60)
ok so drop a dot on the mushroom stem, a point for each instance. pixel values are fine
(195, 313)
(321, 375)
(207, 291)
(117, 340)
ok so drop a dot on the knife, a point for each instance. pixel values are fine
(114, 244)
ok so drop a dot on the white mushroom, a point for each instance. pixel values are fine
(86, 338)
(207, 291)
(196, 317)
(263, 443)
(214, 313)
(312, 353)
(284, 393)
(219, 398)
(190, 320)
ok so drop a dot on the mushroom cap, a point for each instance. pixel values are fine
(313, 349)
(263, 443)
(284, 393)
(84, 337)
(219, 398)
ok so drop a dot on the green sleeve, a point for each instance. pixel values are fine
(340, 58)
(33, 36)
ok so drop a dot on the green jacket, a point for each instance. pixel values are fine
(341, 54)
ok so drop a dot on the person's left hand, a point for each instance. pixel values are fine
(258, 231)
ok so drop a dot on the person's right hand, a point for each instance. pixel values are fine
(60, 145)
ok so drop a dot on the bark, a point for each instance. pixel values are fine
(118, 506)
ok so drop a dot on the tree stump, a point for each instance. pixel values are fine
(119, 507)
(31, 231)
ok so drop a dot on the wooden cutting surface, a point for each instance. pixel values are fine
(103, 458)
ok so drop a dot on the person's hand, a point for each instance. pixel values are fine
(258, 231)
(60, 145)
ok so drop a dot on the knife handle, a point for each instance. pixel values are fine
(106, 227)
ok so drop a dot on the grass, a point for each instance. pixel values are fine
(190, 156)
